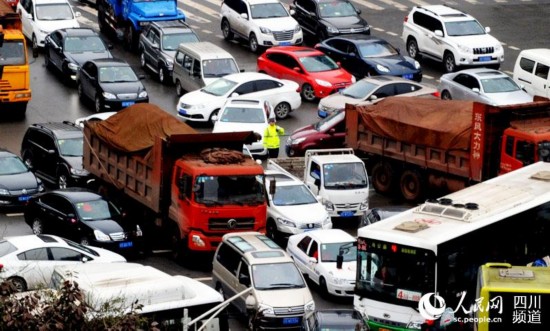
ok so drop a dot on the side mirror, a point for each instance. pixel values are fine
(29, 16)
(311, 13)
(317, 182)
(373, 97)
(215, 118)
(245, 16)
(84, 259)
(155, 46)
(339, 261)
(487, 29)
(51, 151)
(70, 215)
(438, 33)
(332, 131)
(340, 63)
(398, 50)
(242, 70)
(292, 11)
(110, 46)
(234, 94)
(358, 11)
(315, 175)
(141, 77)
(475, 90)
(312, 260)
(296, 69)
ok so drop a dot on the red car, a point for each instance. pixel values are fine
(316, 73)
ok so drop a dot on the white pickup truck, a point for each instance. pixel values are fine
(337, 176)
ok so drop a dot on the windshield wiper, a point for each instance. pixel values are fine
(284, 285)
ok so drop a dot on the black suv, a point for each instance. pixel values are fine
(53, 151)
(158, 44)
(328, 18)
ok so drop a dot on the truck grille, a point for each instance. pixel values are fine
(283, 35)
(125, 96)
(224, 224)
(484, 50)
(117, 236)
(347, 206)
(289, 310)
(311, 226)
(29, 191)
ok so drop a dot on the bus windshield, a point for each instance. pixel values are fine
(394, 273)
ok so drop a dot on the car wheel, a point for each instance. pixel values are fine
(323, 287)
(445, 95)
(226, 30)
(34, 42)
(271, 230)
(142, 62)
(98, 104)
(37, 226)
(412, 185)
(179, 89)
(62, 179)
(449, 62)
(211, 118)
(163, 74)
(85, 241)
(18, 283)
(412, 48)
(308, 93)
(282, 110)
(253, 43)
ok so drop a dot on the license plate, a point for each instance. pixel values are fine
(347, 213)
(127, 103)
(322, 113)
(291, 320)
(24, 198)
(183, 112)
(126, 244)
(408, 76)
(484, 58)
(284, 43)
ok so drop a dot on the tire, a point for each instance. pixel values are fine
(282, 110)
(142, 61)
(253, 43)
(445, 95)
(178, 245)
(179, 89)
(18, 283)
(34, 46)
(308, 93)
(163, 74)
(214, 113)
(323, 287)
(62, 179)
(271, 230)
(412, 185)
(98, 104)
(412, 48)
(226, 30)
(383, 178)
(85, 241)
(449, 62)
(37, 226)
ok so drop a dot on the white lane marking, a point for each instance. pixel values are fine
(14, 214)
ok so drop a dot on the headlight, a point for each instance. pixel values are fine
(79, 172)
(142, 94)
(286, 222)
(72, 66)
(3, 191)
(109, 96)
(297, 29)
(415, 325)
(169, 62)
(416, 65)
(265, 30)
(323, 83)
(139, 233)
(266, 310)
(463, 48)
(40, 186)
(382, 68)
(353, 79)
(328, 205)
(330, 29)
(297, 141)
(364, 205)
(498, 47)
(100, 236)
(310, 306)
(194, 107)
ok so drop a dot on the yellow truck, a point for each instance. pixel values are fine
(512, 298)
(15, 85)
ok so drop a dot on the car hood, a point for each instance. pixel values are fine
(105, 226)
(337, 101)
(155, 8)
(106, 255)
(277, 23)
(310, 213)
(198, 97)
(397, 64)
(508, 98)
(80, 58)
(482, 40)
(333, 76)
(50, 26)
(25, 180)
(345, 22)
(347, 271)
(123, 87)
(283, 298)
(305, 131)
(239, 127)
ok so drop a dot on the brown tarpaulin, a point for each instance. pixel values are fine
(428, 122)
(135, 128)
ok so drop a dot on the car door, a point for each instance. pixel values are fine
(352, 61)
(241, 23)
(243, 282)
(383, 91)
(44, 154)
(336, 49)
(62, 217)
(313, 260)
(88, 79)
(55, 51)
(306, 13)
(300, 254)
(24, 9)
(541, 80)
(462, 88)
(151, 47)
(34, 266)
(269, 90)
(428, 42)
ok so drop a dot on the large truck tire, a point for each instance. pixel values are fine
(383, 178)
(412, 184)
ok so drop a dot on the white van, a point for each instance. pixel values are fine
(532, 71)
(198, 64)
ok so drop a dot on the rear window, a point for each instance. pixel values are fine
(6, 248)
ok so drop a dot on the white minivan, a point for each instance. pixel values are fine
(532, 71)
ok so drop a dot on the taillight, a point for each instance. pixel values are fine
(406, 18)
(1, 266)
(436, 94)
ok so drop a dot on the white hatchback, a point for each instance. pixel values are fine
(201, 105)
(326, 257)
(29, 261)
(40, 17)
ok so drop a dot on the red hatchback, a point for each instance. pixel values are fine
(316, 73)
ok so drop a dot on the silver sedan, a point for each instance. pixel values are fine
(483, 85)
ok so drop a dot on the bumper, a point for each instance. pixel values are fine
(15, 96)
(467, 59)
(194, 115)
(14, 200)
(348, 31)
(286, 230)
(279, 322)
(127, 246)
(341, 290)
(281, 38)
(114, 105)
(323, 91)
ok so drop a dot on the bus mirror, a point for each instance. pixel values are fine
(339, 261)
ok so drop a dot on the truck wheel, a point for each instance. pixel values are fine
(179, 89)
(226, 30)
(282, 110)
(412, 185)
(449, 62)
(412, 48)
(383, 178)
(308, 93)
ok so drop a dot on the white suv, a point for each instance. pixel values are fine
(263, 23)
(450, 36)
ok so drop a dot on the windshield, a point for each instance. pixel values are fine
(170, 42)
(219, 87)
(268, 10)
(219, 67)
(293, 195)
(96, 210)
(117, 74)
(223, 190)
(393, 273)
(318, 63)
(84, 44)
(54, 12)
(272, 276)
(12, 165)
(345, 175)
(12, 52)
(330, 121)
(71, 147)
(464, 28)
(379, 49)
(360, 90)
(499, 85)
(336, 9)
(329, 252)
(243, 115)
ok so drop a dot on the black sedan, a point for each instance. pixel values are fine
(67, 49)
(82, 216)
(335, 319)
(111, 83)
(363, 55)
(17, 182)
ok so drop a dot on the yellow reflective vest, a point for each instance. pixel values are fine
(271, 136)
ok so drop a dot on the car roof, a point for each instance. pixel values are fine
(60, 129)
(447, 13)
(31, 241)
(78, 32)
(385, 79)
(338, 317)
(297, 51)
(328, 236)
(114, 62)
(482, 72)
(241, 77)
(256, 247)
(256, 2)
(537, 54)
(75, 194)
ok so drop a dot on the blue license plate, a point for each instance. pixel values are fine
(284, 43)
(126, 244)
(408, 76)
(346, 213)
(322, 113)
(183, 112)
(291, 320)
(127, 103)
(484, 58)
(24, 198)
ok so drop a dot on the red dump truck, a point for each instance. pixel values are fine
(186, 187)
(413, 145)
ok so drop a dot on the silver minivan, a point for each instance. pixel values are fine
(200, 63)
(279, 297)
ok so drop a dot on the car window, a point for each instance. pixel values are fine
(541, 70)
(58, 203)
(266, 84)
(243, 115)
(304, 244)
(467, 81)
(499, 85)
(318, 63)
(65, 254)
(403, 88)
(219, 87)
(379, 49)
(56, 38)
(219, 67)
(526, 64)
(307, 5)
(313, 249)
(228, 258)
(360, 90)
(116, 74)
(13, 52)
(464, 28)
(241, 7)
(268, 10)
(269, 276)
(385, 91)
(71, 147)
(196, 68)
(336, 118)
(171, 41)
(84, 44)
(293, 195)
(179, 58)
(245, 88)
(94, 210)
(37, 254)
(12, 165)
(91, 69)
(336, 9)
(6, 247)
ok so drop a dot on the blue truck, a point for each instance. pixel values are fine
(126, 18)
